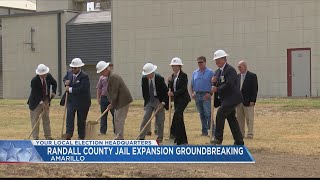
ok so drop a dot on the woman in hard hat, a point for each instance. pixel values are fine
(178, 83)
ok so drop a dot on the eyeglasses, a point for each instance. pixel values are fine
(200, 62)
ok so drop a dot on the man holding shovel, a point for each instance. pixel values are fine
(79, 99)
(39, 100)
(104, 102)
(155, 95)
(119, 97)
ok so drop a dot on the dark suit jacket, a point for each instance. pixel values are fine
(249, 88)
(80, 96)
(36, 90)
(228, 90)
(161, 89)
(181, 93)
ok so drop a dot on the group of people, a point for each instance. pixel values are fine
(235, 95)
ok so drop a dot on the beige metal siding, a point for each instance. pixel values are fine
(52, 5)
(19, 62)
(259, 32)
(1, 81)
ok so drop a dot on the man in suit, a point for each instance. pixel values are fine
(230, 96)
(79, 98)
(39, 100)
(155, 95)
(248, 84)
(119, 97)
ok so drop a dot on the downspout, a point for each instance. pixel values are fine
(59, 56)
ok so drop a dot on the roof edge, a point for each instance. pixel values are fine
(37, 13)
(20, 9)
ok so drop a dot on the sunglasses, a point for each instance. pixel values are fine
(200, 62)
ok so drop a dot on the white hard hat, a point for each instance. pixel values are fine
(76, 62)
(102, 65)
(176, 61)
(42, 69)
(219, 54)
(148, 68)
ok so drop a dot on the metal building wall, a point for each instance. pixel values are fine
(90, 42)
(1, 81)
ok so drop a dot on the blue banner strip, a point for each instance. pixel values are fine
(25, 151)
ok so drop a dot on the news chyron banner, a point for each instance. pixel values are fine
(117, 151)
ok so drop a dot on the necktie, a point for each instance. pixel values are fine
(241, 81)
(151, 91)
(74, 79)
(44, 89)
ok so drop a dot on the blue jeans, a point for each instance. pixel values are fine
(204, 108)
(104, 119)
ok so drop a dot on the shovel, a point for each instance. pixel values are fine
(149, 121)
(34, 127)
(64, 115)
(212, 118)
(91, 126)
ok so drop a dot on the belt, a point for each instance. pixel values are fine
(199, 92)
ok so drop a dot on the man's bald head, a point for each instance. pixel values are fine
(242, 66)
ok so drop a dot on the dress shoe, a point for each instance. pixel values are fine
(249, 137)
(216, 142)
(159, 140)
(238, 143)
(67, 137)
(149, 133)
(49, 138)
(181, 143)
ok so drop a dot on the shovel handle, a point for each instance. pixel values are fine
(65, 111)
(149, 121)
(34, 127)
(170, 114)
(212, 117)
(104, 112)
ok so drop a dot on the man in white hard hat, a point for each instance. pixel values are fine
(118, 95)
(230, 96)
(79, 99)
(102, 97)
(155, 95)
(39, 100)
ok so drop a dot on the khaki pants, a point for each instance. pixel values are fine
(45, 120)
(245, 114)
(119, 120)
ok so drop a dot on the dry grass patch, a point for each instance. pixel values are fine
(281, 125)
